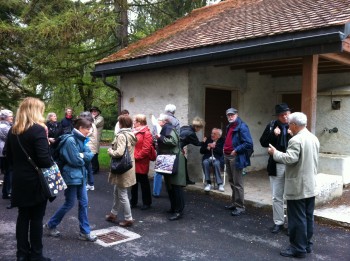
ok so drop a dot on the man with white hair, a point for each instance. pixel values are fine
(6, 119)
(170, 111)
(301, 159)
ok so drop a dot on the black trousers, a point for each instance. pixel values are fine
(300, 223)
(30, 221)
(95, 164)
(141, 179)
(176, 197)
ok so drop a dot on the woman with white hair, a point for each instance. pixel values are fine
(6, 119)
(169, 143)
(170, 111)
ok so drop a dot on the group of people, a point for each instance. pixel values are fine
(292, 167)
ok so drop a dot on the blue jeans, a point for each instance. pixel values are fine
(90, 175)
(300, 223)
(72, 192)
(206, 164)
(157, 184)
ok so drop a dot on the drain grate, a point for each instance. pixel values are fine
(111, 237)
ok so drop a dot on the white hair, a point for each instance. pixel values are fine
(163, 117)
(298, 118)
(219, 131)
(170, 108)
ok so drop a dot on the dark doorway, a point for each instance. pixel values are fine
(216, 103)
(293, 100)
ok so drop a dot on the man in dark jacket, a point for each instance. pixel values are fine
(238, 143)
(212, 150)
(277, 133)
(188, 136)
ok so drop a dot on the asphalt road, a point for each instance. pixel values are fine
(206, 232)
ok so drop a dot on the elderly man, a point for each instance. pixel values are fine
(277, 133)
(99, 122)
(212, 150)
(301, 159)
(238, 142)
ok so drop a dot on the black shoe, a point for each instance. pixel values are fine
(176, 216)
(230, 207)
(190, 182)
(290, 253)
(276, 228)
(9, 206)
(308, 249)
(237, 212)
(144, 207)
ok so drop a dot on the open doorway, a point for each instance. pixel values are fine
(216, 103)
(293, 100)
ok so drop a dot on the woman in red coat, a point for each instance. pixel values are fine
(142, 158)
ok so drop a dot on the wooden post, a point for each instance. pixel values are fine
(309, 90)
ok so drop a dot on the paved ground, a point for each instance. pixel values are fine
(207, 232)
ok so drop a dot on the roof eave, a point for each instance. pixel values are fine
(330, 37)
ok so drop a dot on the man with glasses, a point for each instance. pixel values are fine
(237, 143)
(301, 160)
(277, 133)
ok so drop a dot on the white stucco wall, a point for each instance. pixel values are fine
(148, 93)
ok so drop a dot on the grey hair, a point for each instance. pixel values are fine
(163, 117)
(219, 131)
(4, 114)
(86, 115)
(298, 118)
(49, 115)
(170, 108)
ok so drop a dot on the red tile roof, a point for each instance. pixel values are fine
(237, 20)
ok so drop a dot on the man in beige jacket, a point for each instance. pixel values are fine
(301, 159)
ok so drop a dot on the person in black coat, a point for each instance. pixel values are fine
(67, 121)
(54, 130)
(29, 129)
(212, 150)
(188, 136)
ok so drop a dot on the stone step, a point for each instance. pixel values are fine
(328, 187)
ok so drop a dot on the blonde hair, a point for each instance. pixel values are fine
(198, 122)
(30, 111)
(141, 118)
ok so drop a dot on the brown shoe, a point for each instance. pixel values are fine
(111, 218)
(126, 223)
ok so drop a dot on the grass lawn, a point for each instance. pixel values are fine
(104, 159)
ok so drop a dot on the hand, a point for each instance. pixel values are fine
(277, 131)
(234, 153)
(271, 150)
(290, 132)
(157, 136)
(51, 140)
(81, 155)
(110, 150)
(204, 139)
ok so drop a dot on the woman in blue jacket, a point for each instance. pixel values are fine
(76, 156)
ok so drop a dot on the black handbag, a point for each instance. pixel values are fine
(124, 163)
(51, 180)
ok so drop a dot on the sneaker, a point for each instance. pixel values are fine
(207, 187)
(87, 237)
(221, 188)
(90, 187)
(52, 232)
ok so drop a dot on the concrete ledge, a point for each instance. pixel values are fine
(328, 187)
(335, 164)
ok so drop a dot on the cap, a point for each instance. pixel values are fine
(231, 111)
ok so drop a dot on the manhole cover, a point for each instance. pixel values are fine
(111, 237)
(114, 235)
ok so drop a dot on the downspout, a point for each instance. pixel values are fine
(114, 88)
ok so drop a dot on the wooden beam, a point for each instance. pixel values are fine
(346, 45)
(309, 90)
(342, 58)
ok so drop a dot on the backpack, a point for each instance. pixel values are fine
(56, 155)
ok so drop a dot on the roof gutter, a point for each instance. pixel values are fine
(330, 36)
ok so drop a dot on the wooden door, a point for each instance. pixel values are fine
(216, 103)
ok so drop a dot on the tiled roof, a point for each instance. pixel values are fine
(237, 20)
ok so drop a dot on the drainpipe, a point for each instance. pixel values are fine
(116, 89)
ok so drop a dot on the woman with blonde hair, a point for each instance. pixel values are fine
(29, 131)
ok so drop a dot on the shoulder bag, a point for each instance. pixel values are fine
(124, 163)
(51, 180)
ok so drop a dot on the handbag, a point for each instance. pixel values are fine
(51, 180)
(166, 164)
(153, 154)
(124, 163)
